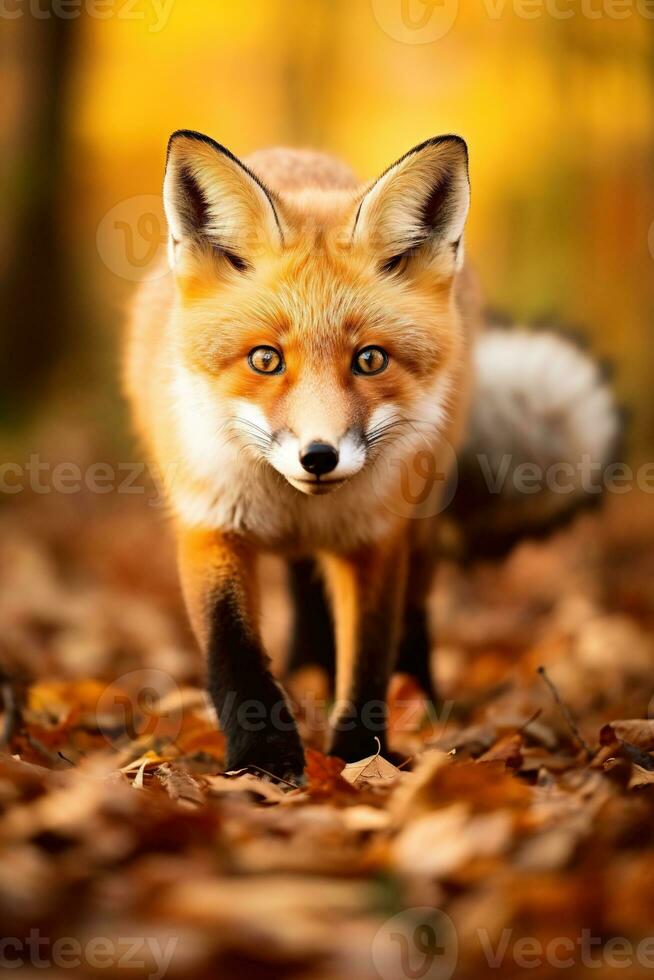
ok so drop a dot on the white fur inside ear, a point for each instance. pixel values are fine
(172, 252)
(172, 205)
(208, 192)
(392, 215)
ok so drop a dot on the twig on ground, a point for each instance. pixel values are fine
(565, 712)
(273, 777)
(55, 758)
(523, 728)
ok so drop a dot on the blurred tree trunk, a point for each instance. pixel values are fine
(34, 287)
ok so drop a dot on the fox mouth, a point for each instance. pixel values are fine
(317, 487)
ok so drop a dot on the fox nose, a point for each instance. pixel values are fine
(319, 458)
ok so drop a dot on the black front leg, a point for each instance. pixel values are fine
(219, 578)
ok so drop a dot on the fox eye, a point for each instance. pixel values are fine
(370, 360)
(266, 360)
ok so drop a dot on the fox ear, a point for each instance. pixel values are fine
(211, 199)
(419, 203)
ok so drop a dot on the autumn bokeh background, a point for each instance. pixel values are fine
(558, 110)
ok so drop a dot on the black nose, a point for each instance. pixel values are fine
(319, 458)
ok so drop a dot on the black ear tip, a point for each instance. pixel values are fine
(456, 143)
(455, 140)
(192, 134)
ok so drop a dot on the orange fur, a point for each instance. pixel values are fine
(208, 560)
(370, 582)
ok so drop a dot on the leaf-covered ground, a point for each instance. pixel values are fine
(519, 841)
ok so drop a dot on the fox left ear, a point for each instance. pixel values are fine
(213, 201)
(419, 204)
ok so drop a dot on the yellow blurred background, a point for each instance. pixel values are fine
(554, 98)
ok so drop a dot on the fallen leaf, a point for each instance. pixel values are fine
(373, 768)
(640, 777)
(324, 775)
(638, 731)
(508, 750)
(179, 784)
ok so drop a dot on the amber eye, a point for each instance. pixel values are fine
(266, 360)
(370, 360)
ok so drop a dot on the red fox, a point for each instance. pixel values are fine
(313, 335)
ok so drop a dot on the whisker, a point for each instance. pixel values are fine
(257, 438)
(396, 430)
(254, 428)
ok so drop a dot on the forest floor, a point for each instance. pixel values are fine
(519, 841)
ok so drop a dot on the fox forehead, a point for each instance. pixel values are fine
(322, 301)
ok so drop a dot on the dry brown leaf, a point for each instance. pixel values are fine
(325, 779)
(245, 782)
(179, 784)
(640, 777)
(374, 768)
(637, 731)
(508, 750)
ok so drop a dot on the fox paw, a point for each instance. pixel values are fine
(270, 754)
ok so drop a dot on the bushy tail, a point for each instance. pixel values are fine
(543, 427)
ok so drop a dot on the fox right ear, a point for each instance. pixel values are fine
(213, 201)
(418, 207)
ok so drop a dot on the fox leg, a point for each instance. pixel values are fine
(312, 637)
(367, 592)
(415, 646)
(219, 581)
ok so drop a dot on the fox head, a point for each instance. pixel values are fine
(315, 327)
